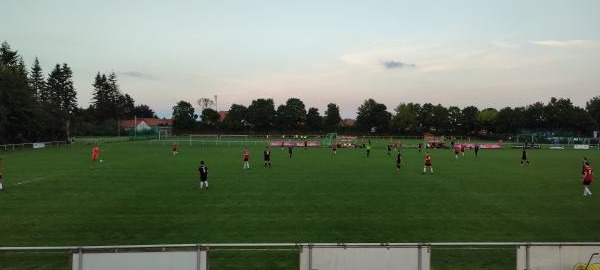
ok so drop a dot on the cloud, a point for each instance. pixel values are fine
(504, 44)
(136, 74)
(391, 64)
(559, 43)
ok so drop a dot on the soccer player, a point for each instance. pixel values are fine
(462, 149)
(476, 149)
(203, 170)
(389, 150)
(267, 156)
(95, 153)
(1, 185)
(246, 158)
(174, 148)
(368, 150)
(524, 155)
(420, 147)
(456, 151)
(587, 180)
(334, 148)
(290, 150)
(427, 163)
(398, 161)
(584, 161)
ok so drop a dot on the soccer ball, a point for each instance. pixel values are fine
(101, 161)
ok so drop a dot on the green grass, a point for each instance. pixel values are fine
(142, 194)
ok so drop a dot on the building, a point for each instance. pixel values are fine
(145, 124)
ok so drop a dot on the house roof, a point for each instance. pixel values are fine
(347, 122)
(149, 121)
(222, 115)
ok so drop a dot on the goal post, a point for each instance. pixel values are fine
(329, 139)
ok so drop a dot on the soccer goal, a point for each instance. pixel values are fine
(330, 139)
(236, 138)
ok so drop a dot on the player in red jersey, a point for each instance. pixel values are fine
(95, 153)
(246, 158)
(462, 149)
(427, 163)
(456, 151)
(334, 148)
(587, 180)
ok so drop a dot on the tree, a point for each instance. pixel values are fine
(558, 113)
(17, 105)
(405, 119)
(425, 118)
(487, 119)
(184, 118)
(454, 119)
(291, 116)
(469, 124)
(332, 117)
(534, 117)
(235, 119)
(209, 117)
(205, 103)
(36, 80)
(62, 94)
(440, 119)
(593, 108)
(108, 101)
(505, 123)
(582, 122)
(373, 117)
(143, 111)
(314, 121)
(260, 114)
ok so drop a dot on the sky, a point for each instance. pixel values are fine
(485, 53)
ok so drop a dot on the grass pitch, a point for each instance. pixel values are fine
(142, 194)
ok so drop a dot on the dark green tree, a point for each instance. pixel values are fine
(535, 118)
(62, 95)
(235, 120)
(314, 121)
(469, 124)
(184, 118)
(558, 114)
(17, 104)
(143, 111)
(454, 119)
(209, 117)
(425, 118)
(291, 116)
(332, 117)
(593, 108)
(405, 119)
(261, 114)
(373, 117)
(36, 80)
(440, 119)
(505, 123)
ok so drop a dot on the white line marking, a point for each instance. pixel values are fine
(29, 181)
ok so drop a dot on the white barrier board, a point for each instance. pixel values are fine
(581, 146)
(361, 258)
(175, 260)
(554, 257)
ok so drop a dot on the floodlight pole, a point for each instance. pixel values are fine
(135, 126)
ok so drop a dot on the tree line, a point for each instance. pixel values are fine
(35, 107)
(559, 115)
